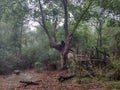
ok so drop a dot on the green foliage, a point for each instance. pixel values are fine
(8, 61)
(37, 50)
(117, 40)
(112, 22)
(111, 41)
(13, 11)
(111, 6)
(84, 37)
(34, 49)
(8, 48)
(55, 11)
(115, 85)
(11, 16)
(38, 65)
(114, 73)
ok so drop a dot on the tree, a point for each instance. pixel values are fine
(98, 21)
(48, 13)
(14, 13)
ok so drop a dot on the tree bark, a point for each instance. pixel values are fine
(63, 61)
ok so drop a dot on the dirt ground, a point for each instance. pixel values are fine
(48, 81)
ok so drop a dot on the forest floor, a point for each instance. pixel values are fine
(48, 81)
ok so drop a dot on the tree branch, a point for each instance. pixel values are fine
(69, 37)
(55, 28)
(44, 25)
(80, 18)
(65, 17)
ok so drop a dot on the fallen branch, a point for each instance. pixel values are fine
(63, 78)
(26, 83)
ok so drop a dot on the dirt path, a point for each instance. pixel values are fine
(48, 82)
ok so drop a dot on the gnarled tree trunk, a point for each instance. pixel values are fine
(62, 47)
(63, 51)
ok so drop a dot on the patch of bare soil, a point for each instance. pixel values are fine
(48, 81)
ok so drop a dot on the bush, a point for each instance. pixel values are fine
(115, 85)
(39, 56)
(38, 65)
(48, 60)
(114, 74)
(8, 62)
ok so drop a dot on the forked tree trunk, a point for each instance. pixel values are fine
(63, 55)
(63, 49)
(68, 35)
(63, 58)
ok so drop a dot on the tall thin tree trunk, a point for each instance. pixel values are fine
(20, 47)
(100, 38)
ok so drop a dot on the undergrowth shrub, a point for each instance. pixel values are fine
(47, 60)
(114, 74)
(8, 62)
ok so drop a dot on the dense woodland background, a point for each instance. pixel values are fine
(31, 29)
